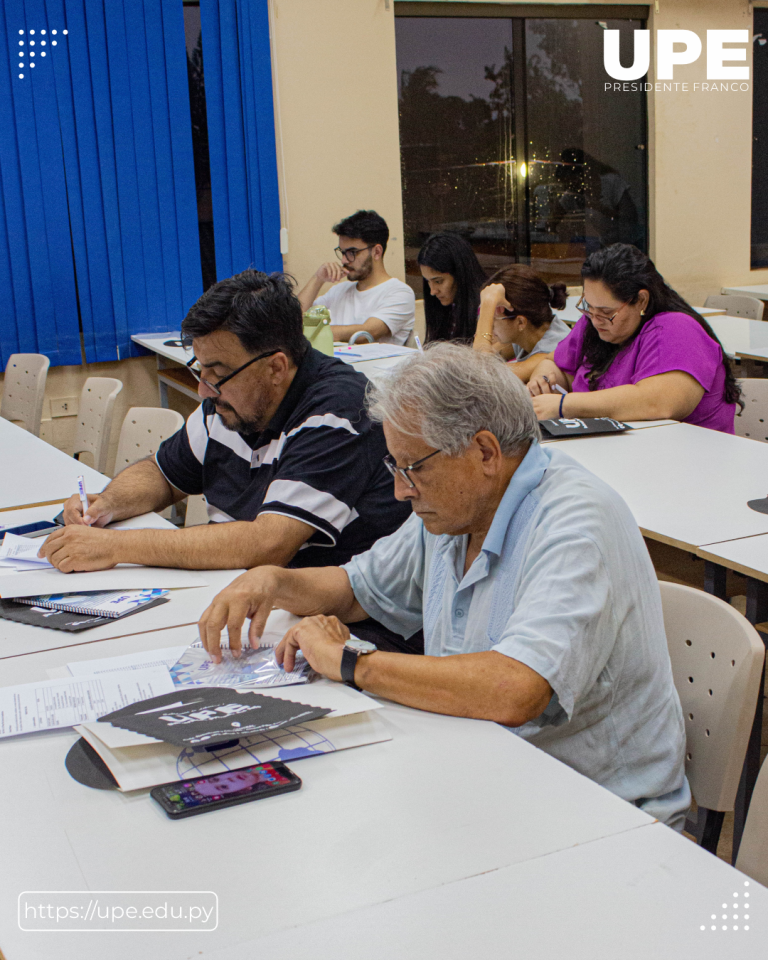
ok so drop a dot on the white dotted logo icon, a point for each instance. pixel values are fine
(738, 920)
(32, 39)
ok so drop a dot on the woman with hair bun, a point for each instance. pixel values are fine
(452, 277)
(516, 318)
(639, 352)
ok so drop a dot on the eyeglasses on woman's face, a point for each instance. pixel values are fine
(216, 387)
(405, 472)
(598, 313)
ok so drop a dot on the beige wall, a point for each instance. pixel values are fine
(336, 105)
(139, 379)
(337, 128)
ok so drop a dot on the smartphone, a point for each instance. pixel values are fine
(185, 798)
(40, 529)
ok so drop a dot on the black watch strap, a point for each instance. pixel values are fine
(348, 664)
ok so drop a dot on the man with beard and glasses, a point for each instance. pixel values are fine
(281, 446)
(367, 299)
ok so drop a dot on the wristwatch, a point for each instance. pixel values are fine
(353, 649)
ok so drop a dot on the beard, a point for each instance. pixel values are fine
(363, 271)
(232, 420)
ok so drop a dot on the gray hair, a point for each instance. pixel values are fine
(449, 393)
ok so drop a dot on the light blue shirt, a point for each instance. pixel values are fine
(564, 584)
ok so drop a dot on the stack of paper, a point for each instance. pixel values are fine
(20, 553)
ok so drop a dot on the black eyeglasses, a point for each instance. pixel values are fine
(403, 472)
(216, 387)
(350, 253)
(595, 313)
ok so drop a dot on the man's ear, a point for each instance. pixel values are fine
(378, 252)
(489, 448)
(280, 365)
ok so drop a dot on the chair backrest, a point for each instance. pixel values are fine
(419, 326)
(94, 419)
(716, 657)
(752, 422)
(24, 389)
(142, 432)
(753, 852)
(736, 305)
(197, 511)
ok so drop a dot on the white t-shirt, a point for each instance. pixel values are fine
(392, 302)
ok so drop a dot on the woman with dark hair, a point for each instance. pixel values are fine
(639, 352)
(452, 278)
(516, 318)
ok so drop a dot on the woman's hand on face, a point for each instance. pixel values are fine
(495, 295)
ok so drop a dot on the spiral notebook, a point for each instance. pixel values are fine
(97, 603)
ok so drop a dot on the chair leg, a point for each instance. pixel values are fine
(707, 828)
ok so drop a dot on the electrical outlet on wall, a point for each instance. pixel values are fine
(65, 407)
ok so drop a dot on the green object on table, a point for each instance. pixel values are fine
(317, 329)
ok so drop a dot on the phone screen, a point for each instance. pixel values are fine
(31, 529)
(231, 785)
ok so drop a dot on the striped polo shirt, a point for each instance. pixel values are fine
(319, 460)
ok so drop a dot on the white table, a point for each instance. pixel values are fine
(686, 486)
(185, 605)
(760, 291)
(171, 375)
(32, 472)
(739, 335)
(445, 799)
(636, 895)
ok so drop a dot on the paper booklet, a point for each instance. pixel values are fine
(141, 767)
(96, 603)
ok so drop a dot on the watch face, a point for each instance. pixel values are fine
(360, 646)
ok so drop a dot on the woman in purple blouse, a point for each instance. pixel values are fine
(639, 352)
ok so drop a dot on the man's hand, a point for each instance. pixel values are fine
(78, 547)
(249, 595)
(330, 272)
(99, 512)
(320, 639)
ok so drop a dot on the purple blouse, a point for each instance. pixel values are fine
(669, 341)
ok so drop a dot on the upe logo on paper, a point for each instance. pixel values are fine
(678, 47)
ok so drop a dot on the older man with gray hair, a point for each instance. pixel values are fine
(538, 601)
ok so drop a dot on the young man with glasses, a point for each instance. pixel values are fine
(365, 298)
(289, 462)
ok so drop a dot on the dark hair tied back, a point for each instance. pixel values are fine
(528, 294)
(626, 271)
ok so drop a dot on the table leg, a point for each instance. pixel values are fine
(162, 387)
(714, 579)
(757, 612)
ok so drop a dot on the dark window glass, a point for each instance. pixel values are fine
(509, 137)
(194, 39)
(760, 142)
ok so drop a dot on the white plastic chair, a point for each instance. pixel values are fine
(197, 511)
(94, 419)
(736, 305)
(717, 657)
(142, 432)
(753, 852)
(24, 390)
(419, 325)
(752, 422)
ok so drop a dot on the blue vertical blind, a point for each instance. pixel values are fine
(241, 135)
(98, 203)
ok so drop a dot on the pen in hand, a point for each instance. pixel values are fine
(83, 497)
